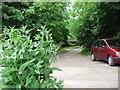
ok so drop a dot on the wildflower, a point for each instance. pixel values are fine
(10, 47)
(21, 56)
(4, 32)
(2, 56)
(20, 72)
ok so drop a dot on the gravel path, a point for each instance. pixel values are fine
(80, 72)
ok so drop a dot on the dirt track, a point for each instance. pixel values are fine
(80, 72)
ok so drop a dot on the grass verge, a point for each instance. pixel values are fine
(86, 51)
(66, 49)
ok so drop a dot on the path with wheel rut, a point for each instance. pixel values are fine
(80, 72)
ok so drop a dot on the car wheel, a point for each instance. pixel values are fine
(111, 61)
(93, 57)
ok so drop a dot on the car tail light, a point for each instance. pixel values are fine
(118, 54)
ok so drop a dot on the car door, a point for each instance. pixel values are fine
(102, 50)
(96, 49)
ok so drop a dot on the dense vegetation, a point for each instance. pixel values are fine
(28, 63)
(95, 20)
(53, 15)
(27, 48)
(88, 20)
(37, 27)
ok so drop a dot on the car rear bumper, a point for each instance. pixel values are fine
(116, 60)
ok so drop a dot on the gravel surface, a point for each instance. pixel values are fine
(80, 72)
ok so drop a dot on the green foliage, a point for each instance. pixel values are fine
(62, 50)
(118, 35)
(109, 25)
(84, 22)
(55, 19)
(52, 14)
(67, 49)
(92, 21)
(28, 63)
(86, 51)
(13, 13)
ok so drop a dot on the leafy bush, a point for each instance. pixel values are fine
(91, 21)
(31, 14)
(28, 62)
(118, 35)
(86, 51)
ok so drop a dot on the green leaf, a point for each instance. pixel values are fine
(23, 66)
(1, 50)
(28, 80)
(18, 86)
(37, 71)
(34, 83)
(57, 69)
(8, 71)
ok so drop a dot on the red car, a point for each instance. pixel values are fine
(106, 49)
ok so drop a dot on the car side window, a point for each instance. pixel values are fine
(97, 44)
(102, 43)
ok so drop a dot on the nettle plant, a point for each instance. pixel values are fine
(27, 62)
